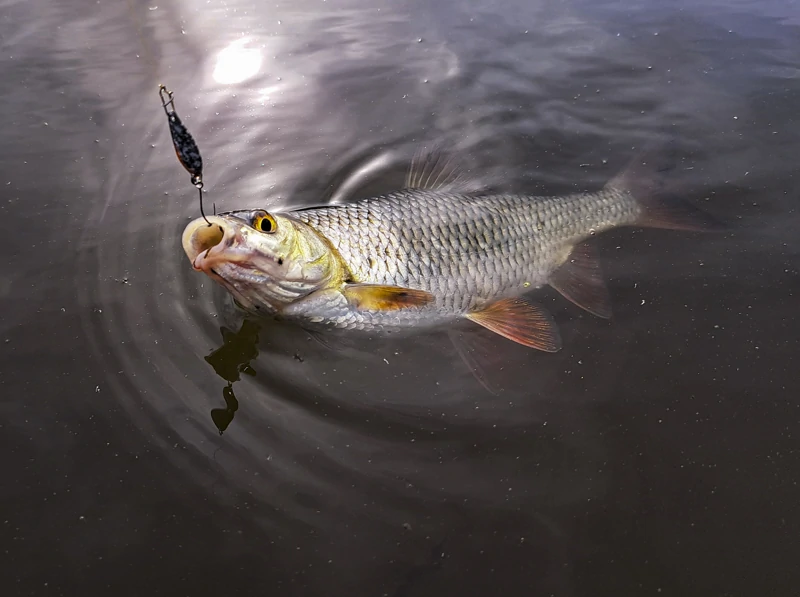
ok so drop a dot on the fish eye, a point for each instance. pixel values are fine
(265, 223)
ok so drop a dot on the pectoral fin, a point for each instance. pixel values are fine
(374, 297)
(580, 280)
(520, 321)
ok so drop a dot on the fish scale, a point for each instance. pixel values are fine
(464, 250)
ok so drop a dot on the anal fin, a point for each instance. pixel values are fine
(376, 297)
(580, 280)
(520, 321)
(474, 353)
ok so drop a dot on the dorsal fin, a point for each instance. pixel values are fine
(433, 169)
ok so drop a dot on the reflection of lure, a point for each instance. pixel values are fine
(185, 147)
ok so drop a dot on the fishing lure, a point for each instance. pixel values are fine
(185, 147)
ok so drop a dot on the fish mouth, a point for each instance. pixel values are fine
(208, 246)
(227, 250)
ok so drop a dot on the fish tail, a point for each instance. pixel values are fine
(658, 208)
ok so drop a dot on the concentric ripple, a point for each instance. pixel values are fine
(299, 421)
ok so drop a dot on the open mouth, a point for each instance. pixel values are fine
(217, 251)
(206, 245)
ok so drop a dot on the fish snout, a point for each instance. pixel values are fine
(199, 238)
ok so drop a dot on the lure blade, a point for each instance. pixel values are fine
(186, 148)
(184, 144)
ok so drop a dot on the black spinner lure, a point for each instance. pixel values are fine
(185, 147)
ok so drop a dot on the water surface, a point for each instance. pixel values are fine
(157, 443)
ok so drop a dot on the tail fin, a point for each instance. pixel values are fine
(659, 208)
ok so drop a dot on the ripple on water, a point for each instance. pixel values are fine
(267, 408)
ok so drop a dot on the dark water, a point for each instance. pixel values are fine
(656, 454)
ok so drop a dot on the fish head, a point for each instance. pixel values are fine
(265, 260)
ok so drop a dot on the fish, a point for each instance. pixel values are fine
(432, 254)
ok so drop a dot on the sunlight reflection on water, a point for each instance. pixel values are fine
(237, 63)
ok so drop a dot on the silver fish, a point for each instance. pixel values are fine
(427, 256)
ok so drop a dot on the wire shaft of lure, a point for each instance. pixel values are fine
(185, 147)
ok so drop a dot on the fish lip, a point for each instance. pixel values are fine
(197, 237)
(207, 260)
(219, 263)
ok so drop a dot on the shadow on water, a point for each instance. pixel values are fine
(230, 361)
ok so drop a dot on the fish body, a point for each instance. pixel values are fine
(421, 257)
(466, 251)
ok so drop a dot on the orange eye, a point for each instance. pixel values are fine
(265, 223)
